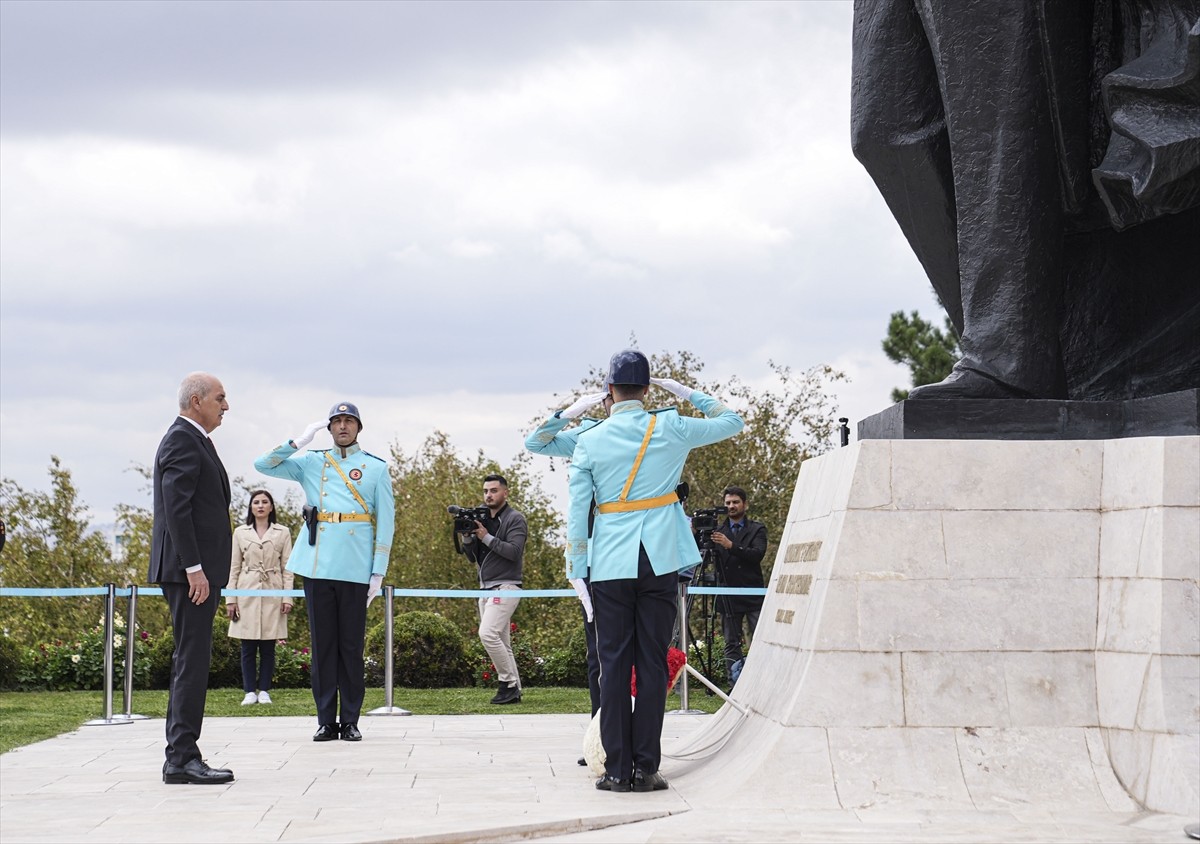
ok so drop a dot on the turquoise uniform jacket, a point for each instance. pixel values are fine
(551, 440)
(351, 550)
(604, 456)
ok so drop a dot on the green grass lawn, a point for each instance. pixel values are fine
(26, 717)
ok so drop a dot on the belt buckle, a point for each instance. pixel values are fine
(337, 518)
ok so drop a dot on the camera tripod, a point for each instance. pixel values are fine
(707, 574)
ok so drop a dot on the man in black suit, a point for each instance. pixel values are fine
(189, 557)
(740, 547)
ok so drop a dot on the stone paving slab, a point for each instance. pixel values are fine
(447, 779)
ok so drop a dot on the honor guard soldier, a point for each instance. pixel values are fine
(553, 440)
(630, 465)
(350, 516)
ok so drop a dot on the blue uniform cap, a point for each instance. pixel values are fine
(344, 408)
(629, 366)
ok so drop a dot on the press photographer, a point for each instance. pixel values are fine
(493, 537)
(739, 546)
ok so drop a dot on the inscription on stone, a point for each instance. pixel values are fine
(793, 584)
(785, 616)
(802, 552)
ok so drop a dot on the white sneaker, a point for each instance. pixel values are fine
(264, 697)
(250, 698)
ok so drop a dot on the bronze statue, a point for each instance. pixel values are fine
(1043, 159)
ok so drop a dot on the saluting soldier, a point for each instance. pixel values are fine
(630, 465)
(350, 514)
(553, 440)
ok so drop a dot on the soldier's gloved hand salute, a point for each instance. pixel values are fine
(309, 432)
(672, 386)
(583, 405)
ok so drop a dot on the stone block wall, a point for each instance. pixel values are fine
(992, 603)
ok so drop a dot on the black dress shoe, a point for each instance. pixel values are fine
(196, 772)
(326, 732)
(607, 783)
(350, 732)
(649, 782)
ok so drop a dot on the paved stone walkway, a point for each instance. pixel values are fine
(503, 777)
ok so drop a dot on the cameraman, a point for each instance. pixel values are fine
(498, 548)
(739, 545)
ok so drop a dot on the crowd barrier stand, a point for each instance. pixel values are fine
(110, 608)
(110, 593)
(389, 597)
(130, 643)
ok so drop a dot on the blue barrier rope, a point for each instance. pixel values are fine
(25, 592)
(123, 592)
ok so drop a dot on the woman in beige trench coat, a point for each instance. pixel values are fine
(260, 551)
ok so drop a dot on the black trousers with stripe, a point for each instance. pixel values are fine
(634, 621)
(337, 621)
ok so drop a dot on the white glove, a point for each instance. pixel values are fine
(375, 587)
(309, 432)
(584, 598)
(675, 387)
(582, 405)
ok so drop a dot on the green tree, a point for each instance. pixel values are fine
(787, 421)
(50, 545)
(927, 351)
(423, 551)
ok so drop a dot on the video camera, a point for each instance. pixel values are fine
(466, 517)
(704, 522)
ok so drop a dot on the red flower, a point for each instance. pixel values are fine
(487, 676)
(304, 666)
(145, 635)
(676, 660)
(304, 651)
(512, 627)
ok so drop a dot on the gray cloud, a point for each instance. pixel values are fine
(422, 205)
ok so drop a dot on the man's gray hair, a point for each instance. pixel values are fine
(198, 384)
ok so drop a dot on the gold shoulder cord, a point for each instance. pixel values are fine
(637, 463)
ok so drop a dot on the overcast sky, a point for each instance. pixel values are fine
(446, 212)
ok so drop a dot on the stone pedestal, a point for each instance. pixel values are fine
(978, 625)
(1169, 415)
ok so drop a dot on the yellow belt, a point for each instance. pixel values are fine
(343, 517)
(638, 504)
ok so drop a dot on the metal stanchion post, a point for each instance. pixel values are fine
(684, 631)
(389, 596)
(130, 655)
(110, 602)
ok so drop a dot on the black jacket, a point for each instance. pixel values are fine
(191, 509)
(741, 565)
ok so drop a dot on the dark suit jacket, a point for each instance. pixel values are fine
(191, 509)
(741, 565)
